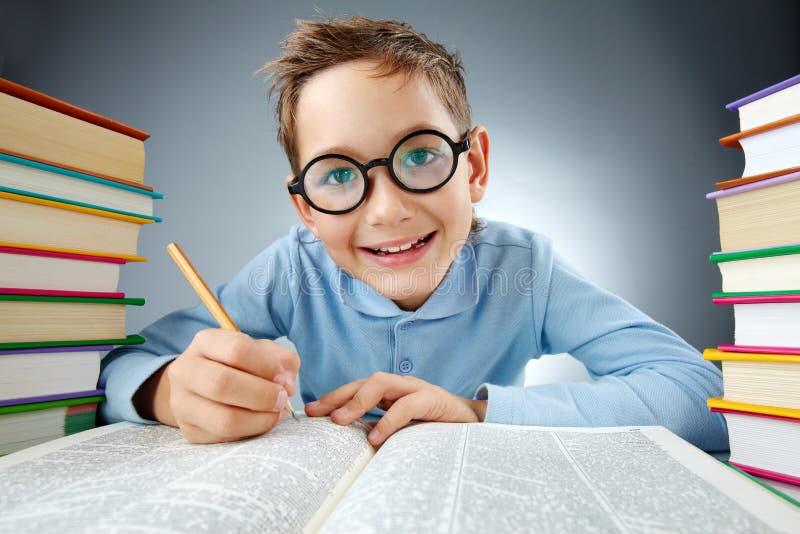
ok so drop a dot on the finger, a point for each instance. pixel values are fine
(228, 385)
(378, 388)
(330, 401)
(402, 412)
(221, 422)
(238, 350)
(289, 361)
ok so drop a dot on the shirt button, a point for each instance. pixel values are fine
(406, 366)
(407, 325)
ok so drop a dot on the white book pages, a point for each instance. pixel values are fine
(46, 272)
(496, 478)
(52, 184)
(128, 477)
(772, 150)
(767, 325)
(771, 108)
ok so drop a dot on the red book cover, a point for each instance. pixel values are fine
(40, 99)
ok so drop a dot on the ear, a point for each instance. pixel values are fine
(304, 211)
(478, 158)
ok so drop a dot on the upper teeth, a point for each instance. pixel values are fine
(401, 247)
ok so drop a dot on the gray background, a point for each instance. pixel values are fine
(603, 116)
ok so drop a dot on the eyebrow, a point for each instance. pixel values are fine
(348, 151)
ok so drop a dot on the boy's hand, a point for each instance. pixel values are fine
(404, 398)
(224, 387)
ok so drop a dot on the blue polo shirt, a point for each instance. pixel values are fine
(507, 298)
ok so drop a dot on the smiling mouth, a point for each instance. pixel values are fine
(412, 245)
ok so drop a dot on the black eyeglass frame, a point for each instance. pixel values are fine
(296, 187)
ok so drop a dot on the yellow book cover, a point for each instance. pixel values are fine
(722, 404)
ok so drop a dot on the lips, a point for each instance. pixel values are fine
(402, 247)
(408, 251)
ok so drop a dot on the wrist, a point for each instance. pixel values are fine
(479, 407)
(152, 398)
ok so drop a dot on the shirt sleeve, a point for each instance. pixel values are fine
(259, 299)
(644, 374)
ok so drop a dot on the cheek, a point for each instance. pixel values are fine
(335, 232)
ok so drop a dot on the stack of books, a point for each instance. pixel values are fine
(72, 202)
(759, 220)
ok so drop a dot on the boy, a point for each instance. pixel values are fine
(395, 296)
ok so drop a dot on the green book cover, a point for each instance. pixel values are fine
(132, 339)
(719, 257)
(18, 408)
(90, 300)
(763, 484)
(720, 294)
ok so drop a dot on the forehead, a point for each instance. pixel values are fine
(348, 107)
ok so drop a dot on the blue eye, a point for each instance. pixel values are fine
(418, 158)
(340, 176)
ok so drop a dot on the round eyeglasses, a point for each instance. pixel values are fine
(421, 162)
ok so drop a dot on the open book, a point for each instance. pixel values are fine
(311, 475)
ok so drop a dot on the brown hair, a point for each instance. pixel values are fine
(395, 46)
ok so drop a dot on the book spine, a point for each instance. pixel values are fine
(755, 414)
(73, 252)
(763, 484)
(61, 293)
(50, 350)
(758, 95)
(76, 203)
(759, 349)
(119, 183)
(62, 255)
(50, 398)
(69, 168)
(732, 141)
(735, 182)
(87, 300)
(40, 99)
(772, 475)
(33, 406)
(756, 299)
(721, 403)
(61, 205)
(721, 355)
(720, 257)
(131, 339)
(778, 180)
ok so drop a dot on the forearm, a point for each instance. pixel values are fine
(646, 397)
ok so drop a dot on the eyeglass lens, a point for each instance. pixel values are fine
(420, 163)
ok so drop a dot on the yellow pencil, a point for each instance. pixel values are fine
(206, 295)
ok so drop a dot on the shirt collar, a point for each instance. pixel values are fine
(456, 292)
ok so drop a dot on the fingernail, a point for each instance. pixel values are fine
(290, 381)
(283, 416)
(313, 404)
(279, 379)
(340, 412)
(282, 398)
(374, 435)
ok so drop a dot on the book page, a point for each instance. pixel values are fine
(439, 477)
(148, 477)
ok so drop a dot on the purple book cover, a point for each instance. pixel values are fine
(734, 106)
(785, 178)
(45, 398)
(46, 350)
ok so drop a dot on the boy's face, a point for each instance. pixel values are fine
(346, 110)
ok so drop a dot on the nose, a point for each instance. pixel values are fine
(386, 203)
